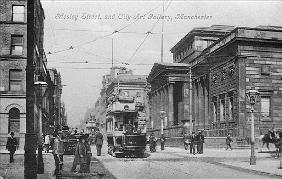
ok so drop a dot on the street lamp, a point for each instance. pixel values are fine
(162, 117)
(252, 95)
(40, 88)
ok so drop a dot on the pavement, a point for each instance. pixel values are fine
(16, 170)
(266, 164)
(238, 159)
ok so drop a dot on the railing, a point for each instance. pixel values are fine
(221, 132)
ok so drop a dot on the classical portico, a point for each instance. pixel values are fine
(170, 93)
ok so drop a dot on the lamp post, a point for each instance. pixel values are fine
(162, 117)
(30, 136)
(252, 96)
(40, 88)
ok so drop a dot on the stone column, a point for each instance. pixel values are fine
(201, 105)
(166, 104)
(170, 104)
(157, 109)
(154, 109)
(206, 122)
(162, 99)
(196, 104)
(186, 107)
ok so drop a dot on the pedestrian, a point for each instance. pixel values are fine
(187, 141)
(201, 142)
(193, 142)
(11, 146)
(163, 139)
(58, 151)
(98, 140)
(47, 143)
(228, 141)
(75, 159)
(153, 142)
(197, 142)
(89, 153)
(82, 153)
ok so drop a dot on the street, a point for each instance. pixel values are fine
(176, 163)
(173, 162)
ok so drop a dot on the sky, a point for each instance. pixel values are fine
(80, 31)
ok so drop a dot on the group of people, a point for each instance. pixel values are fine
(153, 142)
(82, 156)
(195, 141)
(83, 153)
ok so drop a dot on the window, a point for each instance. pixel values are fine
(230, 107)
(18, 13)
(14, 120)
(214, 111)
(16, 45)
(15, 80)
(222, 107)
(265, 106)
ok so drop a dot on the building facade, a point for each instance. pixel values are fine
(169, 93)
(13, 65)
(57, 117)
(13, 56)
(126, 100)
(234, 61)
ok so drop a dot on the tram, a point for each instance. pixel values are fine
(126, 134)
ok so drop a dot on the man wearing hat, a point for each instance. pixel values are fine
(11, 146)
(98, 140)
(201, 142)
(58, 151)
(193, 142)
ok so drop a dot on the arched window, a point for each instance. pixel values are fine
(14, 120)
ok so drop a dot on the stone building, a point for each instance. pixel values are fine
(169, 93)
(12, 69)
(126, 100)
(224, 69)
(13, 63)
(57, 111)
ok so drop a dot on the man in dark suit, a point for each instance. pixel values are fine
(11, 146)
(201, 142)
(193, 143)
(98, 140)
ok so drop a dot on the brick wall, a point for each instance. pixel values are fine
(9, 98)
(6, 9)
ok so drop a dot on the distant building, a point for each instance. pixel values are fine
(57, 120)
(126, 100)
(123, 95)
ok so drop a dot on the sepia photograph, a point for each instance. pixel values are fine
(139, 89)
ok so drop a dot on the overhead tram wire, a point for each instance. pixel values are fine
(90, 68)
(138, 19)
(116, 31)
(136, 50)
(98, 63)
(147, 34)
(80, 30)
